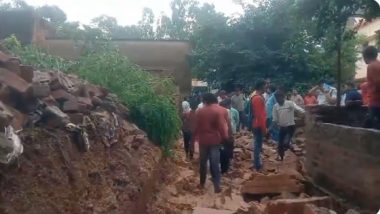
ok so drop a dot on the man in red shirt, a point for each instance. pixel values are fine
(373, 84)
(258, 122)
(310, 99)
(211, 129)
(364, 92)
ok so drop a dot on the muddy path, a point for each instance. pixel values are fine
(243, 192)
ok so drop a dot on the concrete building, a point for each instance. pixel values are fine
(370, 31)
(167, 58)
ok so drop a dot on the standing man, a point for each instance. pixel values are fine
(237, 101)
(373, 84)
(185, 105)
(269, 104)
(283, 117)
(211, 130)
(297, 98)
(258, 121)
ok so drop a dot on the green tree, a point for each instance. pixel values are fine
(146, 24)
(331, 17)
(53, 14)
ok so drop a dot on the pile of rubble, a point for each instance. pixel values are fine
(53, 100)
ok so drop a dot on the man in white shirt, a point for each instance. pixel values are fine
(327, 94)
(185, 106)
(283, 117)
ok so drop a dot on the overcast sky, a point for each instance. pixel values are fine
(126, 11)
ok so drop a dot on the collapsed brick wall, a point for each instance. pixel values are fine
(344, 159)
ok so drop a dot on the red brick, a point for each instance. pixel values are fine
(62, 95)
(294, 206)
(40, 90)
(272, 184)
(14, 81)
(27, 73)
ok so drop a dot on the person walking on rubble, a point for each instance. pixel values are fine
(373, 84)
(188, 128)
(258, 120)
(211, 130)
(227, 150)
(283, 117)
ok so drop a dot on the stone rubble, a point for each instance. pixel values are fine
(53, 99)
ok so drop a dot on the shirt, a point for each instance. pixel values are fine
(310, 100)
(297, 99)
(234, 116)
(237, 102)
(364, 92)
(373, 79)
(353, 95)
(269, 105)
(211, 126)
(283, 115)
(322, 100)
(259, 114)
(188, 121)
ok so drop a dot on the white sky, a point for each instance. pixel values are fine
(125, 11)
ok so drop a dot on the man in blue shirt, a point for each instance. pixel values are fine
(352, 95)
(273, 132)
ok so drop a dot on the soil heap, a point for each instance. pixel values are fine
(68, 146)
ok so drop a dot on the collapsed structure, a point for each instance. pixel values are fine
(67, 145)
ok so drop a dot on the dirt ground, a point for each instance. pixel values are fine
(180, 193)
(52, 176)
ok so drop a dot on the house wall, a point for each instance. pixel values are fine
(344, 159)
(163, 58)
(368, 31)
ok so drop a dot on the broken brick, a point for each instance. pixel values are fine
(62, 95)
(96, 101)
(14, 81)
(71, 106)
(284, 206)
(272, 184)
(40, 90)
(13, 65)
(85, 101)
(27, 73)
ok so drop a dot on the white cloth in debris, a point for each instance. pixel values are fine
(283, 115)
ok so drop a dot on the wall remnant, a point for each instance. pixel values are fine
(341, 158)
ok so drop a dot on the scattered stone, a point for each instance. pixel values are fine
(13, 81)
(61, 95)
(272, 184)
(284, 206)
(27, 73)
(40, 90)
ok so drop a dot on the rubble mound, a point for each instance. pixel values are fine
(67, 145)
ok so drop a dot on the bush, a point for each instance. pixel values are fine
(155, 113)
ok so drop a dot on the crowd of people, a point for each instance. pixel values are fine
(269, 112)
